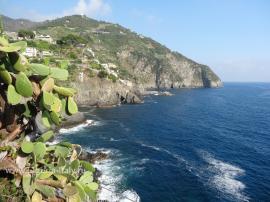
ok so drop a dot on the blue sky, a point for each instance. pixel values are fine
(231, 36)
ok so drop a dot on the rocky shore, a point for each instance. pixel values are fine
(106, 93)
(91, 157)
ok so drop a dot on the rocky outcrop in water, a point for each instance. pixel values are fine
(93, 157)
(104, 92)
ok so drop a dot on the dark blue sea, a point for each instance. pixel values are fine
(198, 145)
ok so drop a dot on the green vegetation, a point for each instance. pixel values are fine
(112, 77)
(31, 104)
(26, 34)
(102, 74)
(72, 55)
(71, 39)
(91, 73)
(42, 45)
(95, 65)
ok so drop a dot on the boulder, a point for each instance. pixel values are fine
(92, 157)
(73, 120)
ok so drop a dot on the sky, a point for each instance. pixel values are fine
(230, 36)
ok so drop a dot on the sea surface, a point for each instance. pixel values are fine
(198, 145)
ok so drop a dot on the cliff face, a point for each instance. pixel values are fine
(104, 92)
(177, 72)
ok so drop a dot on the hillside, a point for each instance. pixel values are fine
(14, 25)
(140, 60)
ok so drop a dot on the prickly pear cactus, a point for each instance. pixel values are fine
(31, 103)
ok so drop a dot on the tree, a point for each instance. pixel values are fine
(26, 34)
(31, 104)
(102, 74)
(71, 39)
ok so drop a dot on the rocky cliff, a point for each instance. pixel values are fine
(105, 93)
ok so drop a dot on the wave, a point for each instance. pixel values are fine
(111, 181)
(78, 127)
(115, 140)
(176, 156)
(97, 123)
(218, 174)
(179, 159)
(223, 177)
(150, 146)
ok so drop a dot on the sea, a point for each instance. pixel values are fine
(198, 145)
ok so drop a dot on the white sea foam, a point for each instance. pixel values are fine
(150, 146)
(97, 123)
(223, 177)
(115, 140)
(112, 176)
(179, 159)
(111, 182)
(77, 128)
(176, 156)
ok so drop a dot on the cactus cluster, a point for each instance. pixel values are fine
(31, 104)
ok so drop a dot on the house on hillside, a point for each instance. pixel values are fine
(45, 53)
(100, 32)
(47, 38)
(30, 52)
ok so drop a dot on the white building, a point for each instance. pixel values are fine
(30, 52)
(45, 53)
(47, 38)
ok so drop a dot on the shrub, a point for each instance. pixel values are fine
(124, 73)
(112, 77)
(46, 61)
(102, 74)
(72, 55)
(95, 65)
(91, 73)
(63, 64)
(72, 39)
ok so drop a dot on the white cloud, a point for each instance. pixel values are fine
(91, 8)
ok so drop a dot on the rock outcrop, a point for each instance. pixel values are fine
(105, 93)
(93, 157)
